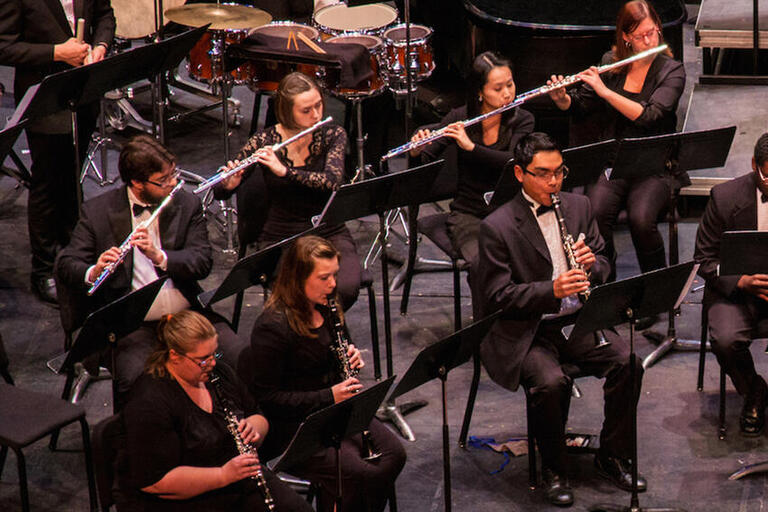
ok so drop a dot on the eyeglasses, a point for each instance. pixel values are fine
(639, 38)
(559, 173)
(166, 180)
(204, 362)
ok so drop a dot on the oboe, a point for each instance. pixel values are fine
(126, 246)
(242, 446)
(570, 255)
(224, 172)
(522, 98)
(340, 348)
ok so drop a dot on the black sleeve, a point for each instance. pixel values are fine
(487, 158)
(707, 251)
(664, 98)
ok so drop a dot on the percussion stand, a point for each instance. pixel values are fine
(99, 142)
(228, 212)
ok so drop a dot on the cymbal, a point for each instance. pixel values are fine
(221, 17)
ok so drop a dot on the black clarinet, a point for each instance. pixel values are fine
(242, 446)
(340, 348)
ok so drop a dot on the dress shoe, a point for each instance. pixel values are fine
(45, 289)
(556, 487)
(619, 472)
(752, 420)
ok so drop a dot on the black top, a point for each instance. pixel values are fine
(291, 376)
(166, 429)
(298, 196)
(479, 169)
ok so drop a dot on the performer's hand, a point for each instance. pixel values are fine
(234, 180)
(96, 54)
(346, 389)
(355, 358)
(568, 283)
(71, 51)
(247, 432)
(143, 241)
(559, 95)
(756, 284)
(417, 137)
(584, 255)
(269, 159)
(592, 78)
(456, 132)
(111, 255)
(240, 467)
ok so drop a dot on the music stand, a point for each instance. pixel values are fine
(328, 427)
(624, 302)
(689, 151)
(376, 196)
(436, 361)
(77, 87)
(8, 137)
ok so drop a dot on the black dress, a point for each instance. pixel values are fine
(166, 429)
(291, 376)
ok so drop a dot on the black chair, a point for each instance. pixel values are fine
(28, 417)
(721, 428)
(108, 439)
(4, 363)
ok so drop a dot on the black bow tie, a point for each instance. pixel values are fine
(138, 209)
(541, 210)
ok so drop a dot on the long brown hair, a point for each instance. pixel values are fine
(296, 265)
(289, 87)
(630, 16)
(180, 332)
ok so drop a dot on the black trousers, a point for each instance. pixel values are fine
(549, 390)
(645, 199)
(464, 231)
(732, 327)
(366, 485)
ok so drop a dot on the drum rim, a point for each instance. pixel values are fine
(336, 31)
(380, 44)
(287, 23)
(402, 42)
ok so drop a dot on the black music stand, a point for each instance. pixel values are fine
(328, 427)
(624, 302)
(434, 362)
(258, 268)
(8, 137)
(376, 196)
(689, 151)
(74, 88)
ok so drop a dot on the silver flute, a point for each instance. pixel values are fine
(225, 172)
(243, 448)
(522, 98)
(570, 255)
(126, 246)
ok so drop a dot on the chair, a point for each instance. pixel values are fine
(28, 417)
(721, 429)
(4, 363)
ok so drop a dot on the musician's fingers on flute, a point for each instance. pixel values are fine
(233, 181)
(267, 157)
(418, 137)
(570, 282)
(592, 78)
(345, 389)
(109, 256)
(560, 93)
(355, 357)
(457, 132)
(240, 467)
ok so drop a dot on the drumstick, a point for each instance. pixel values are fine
(292, 38)
(311, 43)
(79, 32)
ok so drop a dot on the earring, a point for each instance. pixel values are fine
(626, 43)
(480, 98)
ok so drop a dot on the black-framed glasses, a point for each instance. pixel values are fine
(203, 363)
(166, 180)
(559, 173)
(639, 38)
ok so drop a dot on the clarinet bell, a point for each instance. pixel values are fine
(600, 340)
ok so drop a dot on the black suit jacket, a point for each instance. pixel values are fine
(732, 206)
(29, 29)
(105, 221)
(515, 276)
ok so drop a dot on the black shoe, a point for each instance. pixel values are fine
(752, 419)
(646, 322)
(45, 289)
(619, 472)
(556, 487)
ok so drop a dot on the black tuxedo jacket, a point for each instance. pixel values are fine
(29, 29)
(105, 221)
(515, 276)
(732, 206)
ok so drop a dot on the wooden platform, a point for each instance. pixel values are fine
(728, 24)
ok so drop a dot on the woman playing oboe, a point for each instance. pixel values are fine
(295, 372)
(180, 454)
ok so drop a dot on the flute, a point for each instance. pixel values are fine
(223, 172)
(522, 98)
(126, 246)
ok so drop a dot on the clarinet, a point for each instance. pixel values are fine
(242, 446)
(570, 255)
(340, 349)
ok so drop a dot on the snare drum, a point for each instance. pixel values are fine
(337, 19)
(375, 84)
(421, 60)
(206, 59)
(268, 73)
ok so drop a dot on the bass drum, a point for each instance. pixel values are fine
(136, 18)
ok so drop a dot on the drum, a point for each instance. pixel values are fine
(420, 61)
(205, 62)
(376, 49)
(268, 73)
(337, 19)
